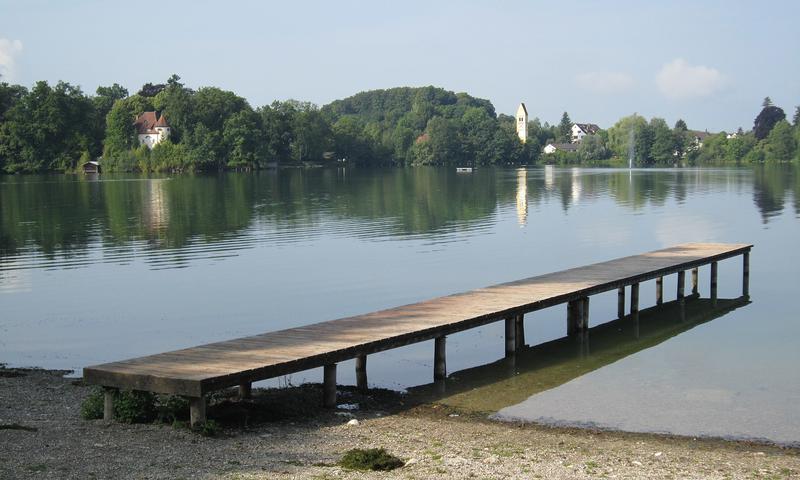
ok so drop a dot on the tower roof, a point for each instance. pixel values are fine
(522, 106)
(162, 121)
(148, 121)
(145, 122)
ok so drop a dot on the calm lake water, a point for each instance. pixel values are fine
(96, 270)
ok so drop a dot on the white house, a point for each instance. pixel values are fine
(564, 147)
(580, 130)
(151, 129)
(522, 123)
(696, 138)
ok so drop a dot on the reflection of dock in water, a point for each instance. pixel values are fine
(511, 380)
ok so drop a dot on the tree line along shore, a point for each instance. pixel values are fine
(60, 128)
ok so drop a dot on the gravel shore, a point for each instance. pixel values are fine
(43, 436)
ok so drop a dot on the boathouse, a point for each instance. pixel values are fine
(92, 166)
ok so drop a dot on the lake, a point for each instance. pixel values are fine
(105, 268)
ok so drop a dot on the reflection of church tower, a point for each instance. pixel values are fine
(577, 188)
(522, 122)
(522, 196)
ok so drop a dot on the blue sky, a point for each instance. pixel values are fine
(709, 62)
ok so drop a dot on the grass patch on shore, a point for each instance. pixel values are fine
(376, 459)
(137, 407)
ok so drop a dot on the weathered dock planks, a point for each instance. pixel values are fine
(195, 371)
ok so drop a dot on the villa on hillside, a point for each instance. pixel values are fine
(580, 130)
(697, 138)
(151, 129)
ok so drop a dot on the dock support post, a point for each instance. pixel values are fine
(511, 334)
(329, 386)
(439, 358)
(680, 294)
(659, 290)
(574, 315)
(621, 302)
(714, 268)
(245, 390)
(108, 403)
(746, 274)
(635, 299)
(584, 320)
(519, 334)
(695, 280)
(197, 410)
(361, 373)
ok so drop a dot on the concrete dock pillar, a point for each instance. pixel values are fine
(511, 333)
(635, 299)
(439, 358)
(245, 390)
(621, 302)
(519, 334)
(714, 269)
(574, 316)
(681, 296)
(197, 410)
(361, 373)
(108, 403)
(329, 386)
(584, 320)
(746, 274)
(659, 290)
(695, 280)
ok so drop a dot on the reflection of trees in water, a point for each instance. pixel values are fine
(416, 200)
(65, 214)
(770, 186)
(631, 189)
(54, 215)
(61, 215)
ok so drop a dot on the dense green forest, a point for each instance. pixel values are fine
(58, 128)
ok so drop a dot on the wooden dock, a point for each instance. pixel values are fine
(196, 371)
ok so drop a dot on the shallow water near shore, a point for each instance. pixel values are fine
(100, 269)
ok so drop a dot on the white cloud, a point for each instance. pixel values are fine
(9, 49)
(604, 82)
(677, 79)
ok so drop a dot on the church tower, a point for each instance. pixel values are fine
(522, 122)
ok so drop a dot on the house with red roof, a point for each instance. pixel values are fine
(151, 128)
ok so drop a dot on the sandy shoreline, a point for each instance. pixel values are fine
(43, 436)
